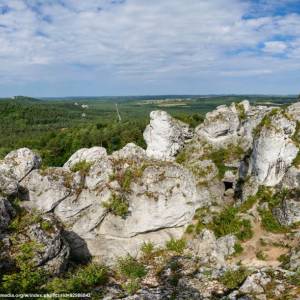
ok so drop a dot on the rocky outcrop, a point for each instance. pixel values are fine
(212, 251)
(51, 250)
(288, 212)
(15, 167)
(88, 155)
(165, 136)
(220, 125)
(6, 213)
(274, 149)
(110, 205)
(116, 202)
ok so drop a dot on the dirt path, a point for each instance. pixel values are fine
(264, 249)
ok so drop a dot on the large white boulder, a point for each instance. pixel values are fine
(212, 250)
(274, 150)
(89, 155)
(22, 162)
(220, 124)
(165, 136)
(161, 196)
(47, 188)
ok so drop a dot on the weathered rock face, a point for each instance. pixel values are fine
(21, 162)
(46, 189)
(274, 150)
(211, 250)
(15, 167)
(89, 155)
(161, 199)
(288, 212)
(255, 284)
(6, 213)
(165, 136)
(52, 251)
(220, 125)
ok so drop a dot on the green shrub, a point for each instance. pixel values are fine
(46, 225)
(26, 277)
(241, 111)
(126, 180)
(223, 155)
(130, 268)
(238, 249)
(295, 278)
(181, 157)
(269, 223)
(82, 280)
(228, 222)
(177, 246)
(117, 205)
(82, 166)
(132, 286)
(260, 255)
(147, 248)
(266, 121)
(296, 161)
(190, 229)
(248, 204)
(284, 259)
(233, 279)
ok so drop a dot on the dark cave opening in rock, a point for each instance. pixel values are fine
(228, 185)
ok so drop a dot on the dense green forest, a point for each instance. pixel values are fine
(56, 128)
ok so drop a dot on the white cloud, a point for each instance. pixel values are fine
(142, 39)
(275, 47)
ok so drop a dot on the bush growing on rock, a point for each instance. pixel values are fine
(177, 246)
(84, 279)
(228, 222)
(234, 278)
(117, 205)
(82, 166)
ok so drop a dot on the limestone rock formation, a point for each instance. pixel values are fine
(6, 213)
(89, 155)
(15, 167)
(165, 136)
(212, 250)
(274, 149)
(179, 191)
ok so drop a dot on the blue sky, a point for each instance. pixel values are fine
(142, 47)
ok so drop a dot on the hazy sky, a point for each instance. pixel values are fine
(139, 47)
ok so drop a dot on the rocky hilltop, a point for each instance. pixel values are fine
(205, 213)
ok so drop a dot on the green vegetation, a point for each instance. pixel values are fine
(117, 205)
(234, 278)
(82, 166)
(238, 248)
(248, 204)
(81, 280)
(26, 278)
(266, 121)
(295, 278)
(132, 271)
(177, 246)
(147, 249)
(260, 255)
(241, 110)
(56, 127)
(269, 222)
(130, 268)
(225, 155)
(229, 222)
